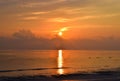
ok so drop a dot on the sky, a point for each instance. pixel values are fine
(76, 19)
(83, 18)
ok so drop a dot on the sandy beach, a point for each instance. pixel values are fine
(95, 76)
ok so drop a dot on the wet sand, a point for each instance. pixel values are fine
(95, 76)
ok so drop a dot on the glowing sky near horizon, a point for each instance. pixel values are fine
(83, 18)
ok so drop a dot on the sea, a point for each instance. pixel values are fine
(56, 62)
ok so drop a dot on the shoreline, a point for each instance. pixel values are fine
(95, 76)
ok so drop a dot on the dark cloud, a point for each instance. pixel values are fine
(24, 34)
(18, 6)
(25, 39)
(92, 44)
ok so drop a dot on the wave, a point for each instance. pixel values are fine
(16, 70)
(94, 76)
(101, 75)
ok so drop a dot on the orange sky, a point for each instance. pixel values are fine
(46, 18)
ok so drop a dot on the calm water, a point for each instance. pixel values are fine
(52, 62)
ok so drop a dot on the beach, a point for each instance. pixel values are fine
(96, 76)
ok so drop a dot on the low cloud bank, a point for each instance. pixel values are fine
(25, 39)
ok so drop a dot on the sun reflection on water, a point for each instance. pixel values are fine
(60, 62)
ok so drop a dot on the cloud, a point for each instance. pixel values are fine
(25, 39)
(36, 3)
(38, 13)
(30, 18)
(59, 20)
(24, 34)
(95, 17)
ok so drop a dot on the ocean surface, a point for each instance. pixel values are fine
(56, 62)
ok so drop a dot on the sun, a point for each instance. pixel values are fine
(60, 33)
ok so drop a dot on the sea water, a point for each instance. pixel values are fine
(56, 62)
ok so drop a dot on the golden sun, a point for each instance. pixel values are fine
(60, 33)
